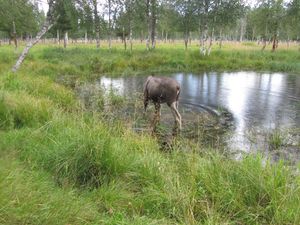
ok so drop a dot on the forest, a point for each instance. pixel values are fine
(152, 20)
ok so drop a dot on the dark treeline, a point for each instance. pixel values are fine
(152, 20)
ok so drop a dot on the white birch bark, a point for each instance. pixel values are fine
(85, 38)
(124, 39)
(203, 49)
(211, 41)
(166, 38)
(243, 27)
(66, 39)
(221, 39)
(57, 36)
(109, 24)
(130, 34)
(46, 26)
(130, 25)
(148, 23)
(153, 24)
(15, 35)
(97, 25)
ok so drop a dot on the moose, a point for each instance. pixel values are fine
(162, 90)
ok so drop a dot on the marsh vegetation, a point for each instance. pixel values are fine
(66, 162)
(76, 149)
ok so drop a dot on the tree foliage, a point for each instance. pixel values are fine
(159, 19)
(23, 13)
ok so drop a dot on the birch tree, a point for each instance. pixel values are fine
(269, 15)
(293, 19)
(167, 20)
(96, 22)
(109, 6)
(86, 17)
(124, 23)
(50, 19)
(68, 18)
(154, 12)
(129, 8)
(19, 18)
(148, 23)
(187, 14)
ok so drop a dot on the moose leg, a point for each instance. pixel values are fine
(158, 111)
(146, 100)
(176, 114)
(156, 116)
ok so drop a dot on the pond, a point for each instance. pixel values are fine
(255, 109)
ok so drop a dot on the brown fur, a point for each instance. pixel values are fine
(162, 90)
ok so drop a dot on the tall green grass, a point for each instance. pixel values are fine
(88, 62)
(60, 164)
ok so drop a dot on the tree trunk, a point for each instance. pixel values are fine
(46, 26)
(15, 35)
(124, 39)
(66, 39)
(242, 31)
(264, 44)
(200, 40)
(109, 24)
(85, 37)
(130, 36)
(98, 39)
(57, 37)
(210, 45)
(153, 24)
(274, 43)
(142, 36)
(186, 41)
(200, 36)
(166, 38)
(203, 49)
(210, 41)
(130, 22)
(148, 24)
(221, 39)
(96, 23)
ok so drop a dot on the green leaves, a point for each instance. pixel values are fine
(23, 12)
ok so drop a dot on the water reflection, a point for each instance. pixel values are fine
(253, 99)
(256, 100)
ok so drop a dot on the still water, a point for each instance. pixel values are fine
(255, 101)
